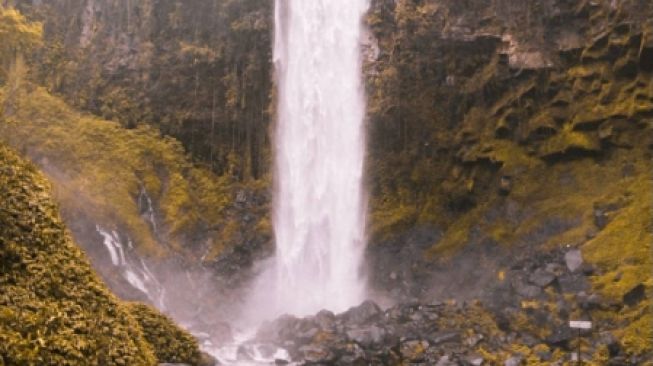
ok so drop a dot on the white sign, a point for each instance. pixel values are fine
(580, 324)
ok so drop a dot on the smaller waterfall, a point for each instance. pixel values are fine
(132, 268)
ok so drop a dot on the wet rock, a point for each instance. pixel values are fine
(590, 302)
(607, 339)
(600, 218)
(352, 354)
(414, 350)
(513, 361)
(541, 277)
(445, 337)
(635, 295)
(560, 337)
(505, 185)
(526, 290)
(474, 340)
(573, 283)
(316, 354)
(474, 360)
(361, 314)
(368, 336)
(573, 259)
(544, 355)
(445, 361)
(325, 319)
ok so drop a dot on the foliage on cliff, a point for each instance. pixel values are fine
(101, 170)
(531, 140)
(18, 36)
(196, 70)
(53, 308)
(170, 344)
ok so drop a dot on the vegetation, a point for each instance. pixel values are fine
(198, 70)
(526, 155)
(170, 344)
(100, 169)
(53, 308)
(19, 36)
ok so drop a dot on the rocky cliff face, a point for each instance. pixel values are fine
(503, 135)
(200, 70)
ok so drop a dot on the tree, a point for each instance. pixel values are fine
(18, 36)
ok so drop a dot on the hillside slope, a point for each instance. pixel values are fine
(54, 310)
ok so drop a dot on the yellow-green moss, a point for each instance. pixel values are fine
(99, 169)
(170, 343)
(53, 308)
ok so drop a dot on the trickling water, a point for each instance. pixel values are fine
(319, 214)
(132, 268)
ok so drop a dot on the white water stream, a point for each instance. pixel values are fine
(320, 204)
(319, 215)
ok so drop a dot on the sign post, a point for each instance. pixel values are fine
(580, 325)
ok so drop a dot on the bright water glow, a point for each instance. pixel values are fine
(319, 213)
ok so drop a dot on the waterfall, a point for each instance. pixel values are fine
(319, 213)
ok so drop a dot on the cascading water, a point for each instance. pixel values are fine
(319, 215)
(320, 205)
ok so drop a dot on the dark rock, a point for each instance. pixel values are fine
(473, 340)
(474, 360)
(607, 339)
(414, 350)
(316, 354)
(573, 283)
(280, 362)
(445, 361)
(325, 319)
(560, 337)
(635, 295)
(526, 290)
(600, 218)
(541, 278)
(368, 336)
(590, 302)
(513, 361)
(544, 355)
(554, 268)
(361, 314)
(353, 354)
(444, 337)
(505, 185)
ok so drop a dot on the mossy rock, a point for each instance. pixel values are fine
(170, 343)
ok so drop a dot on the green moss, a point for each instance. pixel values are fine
(100, 168)
(170, 343)
(53, 308)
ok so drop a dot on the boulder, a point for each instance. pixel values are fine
(513, 361)
(445, 361)
(445, 337)
(361, 314)
(316, 354)
(635, 295)
(414, 350)
(573, 259)
(541, 278)
(367, 336)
